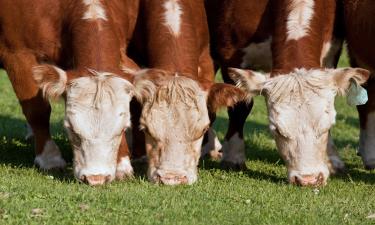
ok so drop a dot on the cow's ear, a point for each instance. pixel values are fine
(51, 80)
(249, 81)
(343, 77)
(223, 95)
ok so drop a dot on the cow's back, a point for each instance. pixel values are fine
(41, 32)
(360, 31)
(237, 27)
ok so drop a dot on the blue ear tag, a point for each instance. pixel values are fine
(357, 95)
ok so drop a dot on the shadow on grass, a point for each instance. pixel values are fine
(17, 152)
(207, 164)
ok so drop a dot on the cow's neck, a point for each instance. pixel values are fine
(299, 36)
(95, 45)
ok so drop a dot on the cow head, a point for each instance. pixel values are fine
(175, 116)
(301, 112)
(96, 114)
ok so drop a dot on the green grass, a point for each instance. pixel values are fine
(259, 195)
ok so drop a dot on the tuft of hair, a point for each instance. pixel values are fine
(293, 86)
(51, 80)
(155, 86)
(224, 95)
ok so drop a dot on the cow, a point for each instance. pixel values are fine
(73, 49)
(357, 27)
(176, 94)
(299, 92)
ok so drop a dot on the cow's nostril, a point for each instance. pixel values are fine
(95, 180)
(172, 179)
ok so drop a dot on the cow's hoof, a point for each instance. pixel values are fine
(124, 169)
(233, 166)
(52, 163)
(370, 167)
(337, 165)
(216, 155)
(50, 158)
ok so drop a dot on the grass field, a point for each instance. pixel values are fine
(259, 195)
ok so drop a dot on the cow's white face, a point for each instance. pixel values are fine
(97, 113)
(301, 112)
(174, 118)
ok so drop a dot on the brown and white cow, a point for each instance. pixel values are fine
(358, 24)
(73, 49)
(300, 102)
(178, 93)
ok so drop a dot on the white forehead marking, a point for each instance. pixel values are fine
(299, 18)
(94, 10)
(172, 16)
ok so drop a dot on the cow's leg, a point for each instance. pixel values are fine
(336, 165)
(35, 108)
(211, 145)
(367, 125)
(138, 149)
(124, 168)
(234, 146)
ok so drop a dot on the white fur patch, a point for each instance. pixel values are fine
(172, 16)
(367, 141)
(124, 166)
(299, 18)
(234, 150)
(94, 10)
(258, 56)
(328, 58)
(325, 51)
(50, 157)
(213, 144)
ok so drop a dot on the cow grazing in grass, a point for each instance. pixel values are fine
(358, 24)
(300, 93)
(73, 49)
(177, 94)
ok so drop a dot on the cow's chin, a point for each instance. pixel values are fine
(95, 164)
(309, 176)
(173, 177)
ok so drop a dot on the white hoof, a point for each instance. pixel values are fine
(234, 150)
(124, 169)
(50, 158)
(212, 147)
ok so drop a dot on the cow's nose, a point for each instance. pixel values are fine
(172, 179)
(309, 180)
(95, 180)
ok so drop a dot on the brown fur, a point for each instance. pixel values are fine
(156, 47)
(60, 37)
(234, 24)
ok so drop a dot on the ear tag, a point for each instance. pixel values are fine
(357, 95)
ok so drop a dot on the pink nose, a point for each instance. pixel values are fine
(308, 180)
(172, 179)
(95, 180)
